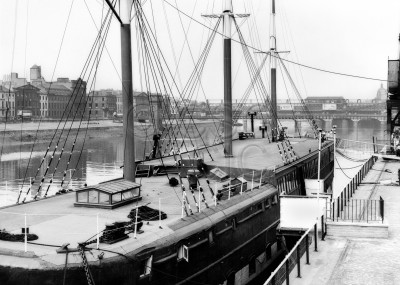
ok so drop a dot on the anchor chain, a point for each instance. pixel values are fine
(88, 274)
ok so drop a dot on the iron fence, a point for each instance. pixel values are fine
(358, 210)
(293, 259)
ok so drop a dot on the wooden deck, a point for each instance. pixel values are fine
(56, 221)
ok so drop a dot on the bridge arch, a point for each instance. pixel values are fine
(369, 123)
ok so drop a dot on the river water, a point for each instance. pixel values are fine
(101, 158)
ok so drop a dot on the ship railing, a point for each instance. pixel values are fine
(297, 256)
(250, 180)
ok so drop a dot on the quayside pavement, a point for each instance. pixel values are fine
(344, 260)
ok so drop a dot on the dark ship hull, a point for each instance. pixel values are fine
(231, 243)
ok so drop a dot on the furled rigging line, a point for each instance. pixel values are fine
(149, 63)
(23, 104)
(86, 130)
(151, 35)
(290, 101)
(74, 116)
(69, 103)
(37, 130)
(12, 66)
(198, 74)
(290, 61)
(293, 44)
(101, 47)
(199, 67)
(146, 53)
(255, 37)
(108, 53)
(313, 124)
(259, 84)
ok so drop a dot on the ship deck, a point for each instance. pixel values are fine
(56, 221)
(256, 154)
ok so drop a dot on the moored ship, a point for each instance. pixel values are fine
(212, 221)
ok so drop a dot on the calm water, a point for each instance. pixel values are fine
(101, 158)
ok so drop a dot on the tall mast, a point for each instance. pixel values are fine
(127, 90)
(227, 23)
(274, 123)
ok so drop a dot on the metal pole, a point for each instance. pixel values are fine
(136, 216)
(319, 169)
(215, 194)
(315, 238)
(97, 231)
(183, 204)
(298, 261)
(199, 199)
(252, 181)
(227, 21)
(334, 157)
(26, 236)
(287, 271)
(159, 213)
(127, 90)
(274, 122)
(307, 250)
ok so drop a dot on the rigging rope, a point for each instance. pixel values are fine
(290, 61)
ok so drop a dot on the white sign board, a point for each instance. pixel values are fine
(286, 107)
(300, 212)
(329, 107)
(312, 186)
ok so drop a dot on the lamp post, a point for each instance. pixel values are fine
(319, 167)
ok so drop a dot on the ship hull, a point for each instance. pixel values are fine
(232, 243)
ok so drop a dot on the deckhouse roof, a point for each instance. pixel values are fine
(113, 186)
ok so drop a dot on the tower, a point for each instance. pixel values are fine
(36, 73)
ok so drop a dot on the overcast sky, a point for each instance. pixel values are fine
(347, 36)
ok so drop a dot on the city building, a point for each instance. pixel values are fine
(151, 106)
(78, 94)
(103, 103)
(54, 101)
(12, 80)
(118, 95)
(27, 98)
(36, 76)
(381, 95)
(7, 103)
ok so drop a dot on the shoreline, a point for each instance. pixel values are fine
(34, 131)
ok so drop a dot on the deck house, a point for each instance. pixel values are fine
(108, 195)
